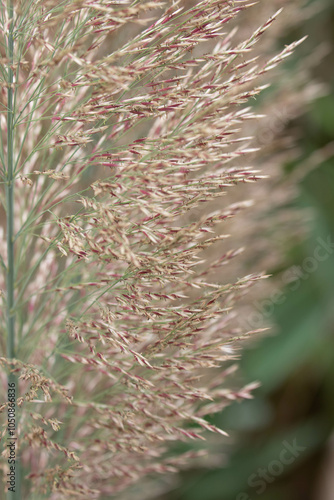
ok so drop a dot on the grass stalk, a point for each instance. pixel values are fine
(9, 187)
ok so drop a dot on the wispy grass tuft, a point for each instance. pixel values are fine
(111, 316)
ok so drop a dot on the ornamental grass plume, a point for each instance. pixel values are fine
(111, 314)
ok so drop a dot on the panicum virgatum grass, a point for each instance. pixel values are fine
(118, 119)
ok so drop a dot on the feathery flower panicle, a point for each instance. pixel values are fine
(112, 315)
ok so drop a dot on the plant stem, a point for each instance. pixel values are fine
(9, 186)
(10, 201)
